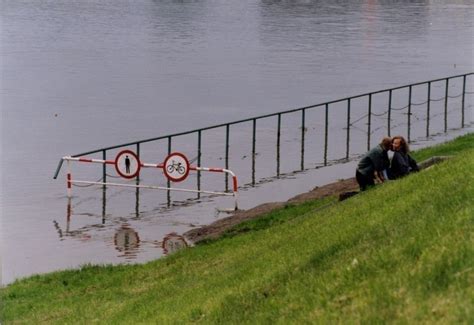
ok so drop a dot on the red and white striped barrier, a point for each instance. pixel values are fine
(70, 181)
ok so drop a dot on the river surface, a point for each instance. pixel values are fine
(81, 75)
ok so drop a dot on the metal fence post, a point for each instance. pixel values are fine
(463, 98)
(254, 139)
(302, 137)
(278, 144)
(369, 121)
(138, 155)
(104, 168)
(227, 131)
(199, 163)
(389, 115)
(137, 182)
(409, 114)
(326, 126)
(428, 106)
(104, 187)
(168, 192)
(348, 133)
(446, 106)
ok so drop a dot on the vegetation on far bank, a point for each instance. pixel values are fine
(400, 252)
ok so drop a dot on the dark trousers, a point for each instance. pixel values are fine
(364, 181)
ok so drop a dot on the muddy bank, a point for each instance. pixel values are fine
(217, 228)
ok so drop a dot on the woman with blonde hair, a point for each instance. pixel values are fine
(402, 163)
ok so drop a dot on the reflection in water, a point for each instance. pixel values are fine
(173, 243)
(137, 201)
(80, 233)
(127, 241)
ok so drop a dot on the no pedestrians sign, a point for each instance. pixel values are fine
(127, 164)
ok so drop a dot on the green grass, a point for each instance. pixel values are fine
(454, 147)
(402, 252)
(288, 212)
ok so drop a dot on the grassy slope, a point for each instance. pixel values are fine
(403, 251)
(454, 147)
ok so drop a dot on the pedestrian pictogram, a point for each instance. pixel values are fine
(176, 167)
(127, 164)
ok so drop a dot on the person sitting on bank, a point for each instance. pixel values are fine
(402, 163)
(373, 165)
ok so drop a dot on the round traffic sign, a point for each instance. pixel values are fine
(176, 167)
(127, 164)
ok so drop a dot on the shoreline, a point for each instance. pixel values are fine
(219, 227)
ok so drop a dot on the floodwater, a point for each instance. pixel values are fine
(81, 75)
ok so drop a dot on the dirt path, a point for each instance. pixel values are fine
(217, 228)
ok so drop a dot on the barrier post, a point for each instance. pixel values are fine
(234, 178)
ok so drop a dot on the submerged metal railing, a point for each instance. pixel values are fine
(346, 122)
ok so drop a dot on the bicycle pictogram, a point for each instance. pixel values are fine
(176, 166)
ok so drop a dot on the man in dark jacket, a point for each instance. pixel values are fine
(373, 164)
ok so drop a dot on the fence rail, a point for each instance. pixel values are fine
(349, 123)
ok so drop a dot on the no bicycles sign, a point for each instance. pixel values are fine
(176, 167)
